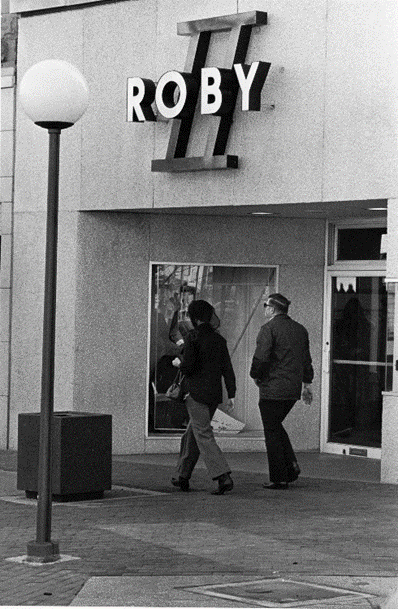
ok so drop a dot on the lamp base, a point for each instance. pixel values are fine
(42, 552)
(53, 125)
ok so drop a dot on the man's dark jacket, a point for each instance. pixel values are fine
(205, 361)
(282, 360)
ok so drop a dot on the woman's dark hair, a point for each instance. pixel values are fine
(200, 310)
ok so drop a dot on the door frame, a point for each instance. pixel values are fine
(333, 268)
(348, 270)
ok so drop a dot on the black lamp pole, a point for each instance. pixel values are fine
(54, 94)
(43, 549)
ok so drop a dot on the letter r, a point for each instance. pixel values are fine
(140, 96)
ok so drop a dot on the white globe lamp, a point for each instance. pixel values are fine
(54, 94)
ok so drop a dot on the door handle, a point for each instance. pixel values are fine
(326, 358)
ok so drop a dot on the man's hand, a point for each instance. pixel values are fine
(176, 362)
(229, 405)
(306, 394)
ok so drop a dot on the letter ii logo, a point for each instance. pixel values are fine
(217, 94)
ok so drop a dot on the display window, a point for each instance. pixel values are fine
(237, 294)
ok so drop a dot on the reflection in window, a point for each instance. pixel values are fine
(237, 293)
(358, 375)
(390, 336)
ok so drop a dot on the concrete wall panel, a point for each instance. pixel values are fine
(4, 360)
(111, 323)
(361, 154)
(65, 315)
(6, 193)
(102, 304)
(7, 109)
(6, 212)
(239, 239)
(5, 315)
(5, 273)
(112, 301)
(27, 317)
(389, 463)
(7, 147)
(116, 155)
(330, 136)
(3, 420)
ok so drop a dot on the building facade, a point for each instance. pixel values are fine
(284, 178)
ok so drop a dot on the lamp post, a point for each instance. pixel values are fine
(54, 95)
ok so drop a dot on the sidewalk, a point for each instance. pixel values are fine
(147, 544)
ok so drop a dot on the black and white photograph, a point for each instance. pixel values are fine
(199, 314)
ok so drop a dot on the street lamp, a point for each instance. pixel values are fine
(54, 95)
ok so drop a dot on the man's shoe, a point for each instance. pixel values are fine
(182, 483)
(225, 483)
(276, 486)
(294, 472)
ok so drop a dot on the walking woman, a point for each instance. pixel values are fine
(205, 362)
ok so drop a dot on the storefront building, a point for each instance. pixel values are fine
(282, 178)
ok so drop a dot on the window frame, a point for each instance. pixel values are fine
(276, 267)
(333, 230)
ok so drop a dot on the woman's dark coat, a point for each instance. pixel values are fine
(206, 360)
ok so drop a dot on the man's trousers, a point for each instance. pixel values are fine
(279, 449)
(199, 439)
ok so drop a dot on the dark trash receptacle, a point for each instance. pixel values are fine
(81, 454)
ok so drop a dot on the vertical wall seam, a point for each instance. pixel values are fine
(10, 299)
(154, 131)
(76, 220)
(323, 152)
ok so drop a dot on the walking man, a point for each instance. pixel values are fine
(281, 365)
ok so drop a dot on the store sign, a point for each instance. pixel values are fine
(216, 86)
(216, 89)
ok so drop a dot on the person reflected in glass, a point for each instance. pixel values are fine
(204, 363)
(356, 383)
(180, 323)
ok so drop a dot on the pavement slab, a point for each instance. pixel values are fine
(219, 590)
(147, 544)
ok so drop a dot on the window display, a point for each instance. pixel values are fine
(237, 293)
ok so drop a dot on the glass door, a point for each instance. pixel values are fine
(357, 362)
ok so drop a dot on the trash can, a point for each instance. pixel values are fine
(81, 455)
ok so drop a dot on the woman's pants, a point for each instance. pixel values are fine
(279, 449)
(199, 439)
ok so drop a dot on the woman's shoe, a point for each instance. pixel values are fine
(182, 483)
(276, 486)
(225, 483)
